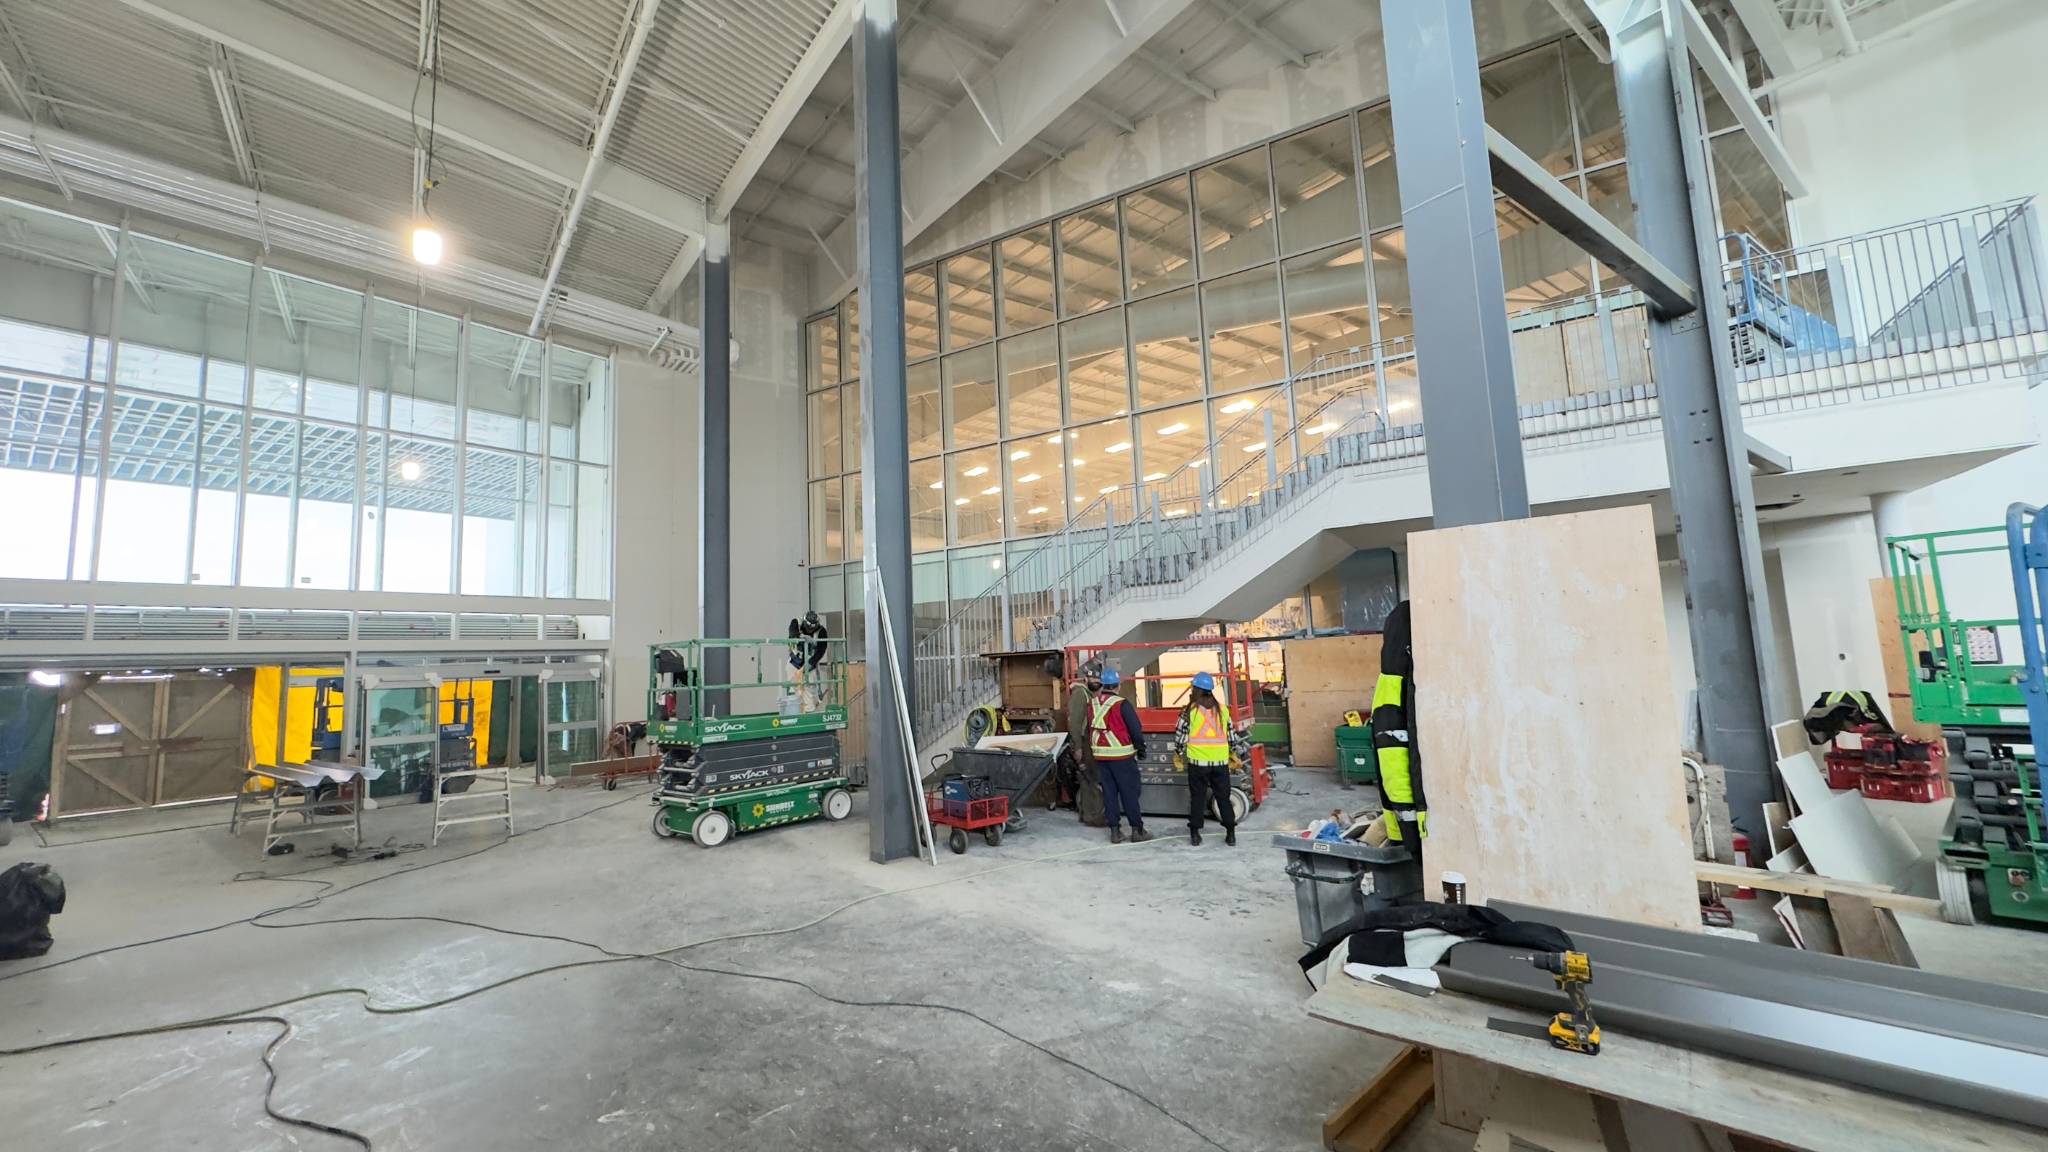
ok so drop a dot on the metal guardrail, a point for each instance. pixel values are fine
(1938, 303)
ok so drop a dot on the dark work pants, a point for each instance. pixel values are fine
(1120, 788)
(1204, 781)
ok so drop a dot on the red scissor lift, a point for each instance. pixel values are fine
(1155, 677)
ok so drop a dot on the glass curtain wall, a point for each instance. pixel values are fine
(266, 430)
(1100, 352)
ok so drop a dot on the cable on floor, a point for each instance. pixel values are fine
(266, 1012)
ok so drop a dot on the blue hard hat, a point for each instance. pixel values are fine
(1205, 682)
(1110, 679)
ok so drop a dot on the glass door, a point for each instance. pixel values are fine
(572, 701)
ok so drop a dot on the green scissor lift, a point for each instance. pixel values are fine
(1993, 845)
(751, 749)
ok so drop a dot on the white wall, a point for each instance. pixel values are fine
(769, 581)
(1947, 118)
(654, 527)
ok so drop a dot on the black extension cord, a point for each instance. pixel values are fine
(266, 1013)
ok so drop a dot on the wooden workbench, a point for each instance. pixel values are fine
(1753, 1100)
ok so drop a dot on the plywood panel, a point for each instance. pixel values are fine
(1543, 714)
(1898, 666)
(1327, 676)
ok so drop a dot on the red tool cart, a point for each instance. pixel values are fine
(1156, 678)
(986, 816)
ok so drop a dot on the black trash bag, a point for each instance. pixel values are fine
(29, 895)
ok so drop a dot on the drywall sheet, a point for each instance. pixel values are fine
(1543, 714)
(1326, 677)
(1845, 840)
(1804, 782)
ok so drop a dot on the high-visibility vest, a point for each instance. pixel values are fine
(1209, 735)
(1106, 735)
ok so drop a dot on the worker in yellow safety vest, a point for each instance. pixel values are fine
(1206, 741)
(1402, 804)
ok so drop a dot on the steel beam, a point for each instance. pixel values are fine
(714, 461)
(1706, 449)
(1069, 50)
(593, 165)
(885, 435)
(347, 69)
(1765, 23)
(1546, 197)
(810, 68)
(1734, 90)
(1469, 410)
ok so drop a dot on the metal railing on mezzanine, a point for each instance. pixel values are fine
(1937, 303)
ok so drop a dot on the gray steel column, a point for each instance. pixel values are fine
(1693, 366)
(885, 429)
(1462, 352)
(714, 559)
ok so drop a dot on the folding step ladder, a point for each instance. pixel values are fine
(463, 792)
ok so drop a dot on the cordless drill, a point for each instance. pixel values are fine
(1573, 1031)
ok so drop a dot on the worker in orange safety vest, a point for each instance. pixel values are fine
(1116, 740)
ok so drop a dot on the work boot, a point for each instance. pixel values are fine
(1230, 836)
(1116, 835)
(1140, 836)
(1194, 837)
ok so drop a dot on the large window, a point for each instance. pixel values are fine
(1197, 319)
(267, 430)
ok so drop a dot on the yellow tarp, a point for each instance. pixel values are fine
(301, 710)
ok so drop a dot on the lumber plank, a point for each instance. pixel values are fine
(1550, 750)
(1376, 1114)
(1326, 677)
(1810, 884)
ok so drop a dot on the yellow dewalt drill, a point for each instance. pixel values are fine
(1573, 1031)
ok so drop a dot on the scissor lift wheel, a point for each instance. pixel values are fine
(838, 804)
(711, 828)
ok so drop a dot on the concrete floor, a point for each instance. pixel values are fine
(1158, 979)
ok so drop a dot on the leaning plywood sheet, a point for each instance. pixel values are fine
(1327, 676)
(1543, 714)
(1804, 782)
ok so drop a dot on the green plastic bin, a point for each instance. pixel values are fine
(1356, 763)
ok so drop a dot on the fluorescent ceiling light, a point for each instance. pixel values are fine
(1259, 447)
(1053, 439)
(936, 484)
(1323, 429)
(1173, 429)
(977, 470)
(1105, 491)
(1019, 454)
(959, 501)
(992, 490)
(1038, 511)
(1176, 512)
(1151, 476)
(46, 678)
(1400, 405)
(1027, 478)
(1237, 406)
(1119, 446)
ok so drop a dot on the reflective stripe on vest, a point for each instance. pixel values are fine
(1209, 735)
(1104, 739)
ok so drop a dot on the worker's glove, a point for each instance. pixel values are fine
(1422, 824)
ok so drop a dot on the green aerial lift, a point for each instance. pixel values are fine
(758, 748)
(1993, 847)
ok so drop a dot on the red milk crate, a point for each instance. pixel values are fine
(1918, 786)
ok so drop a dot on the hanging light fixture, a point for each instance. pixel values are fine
(410, 469)
(426, 245)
